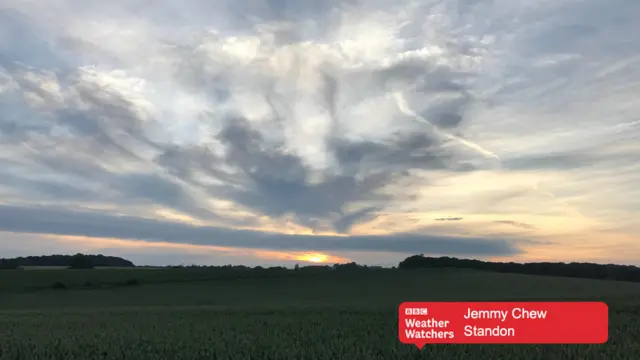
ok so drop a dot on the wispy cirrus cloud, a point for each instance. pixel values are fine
(373, 120)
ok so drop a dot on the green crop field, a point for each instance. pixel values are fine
(199, 314)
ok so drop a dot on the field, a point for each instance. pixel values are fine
(198, 314)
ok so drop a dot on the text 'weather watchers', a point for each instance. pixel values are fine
(422, 323)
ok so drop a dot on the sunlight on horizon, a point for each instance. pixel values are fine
(315, 258)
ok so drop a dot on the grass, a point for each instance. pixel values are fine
(196, 314)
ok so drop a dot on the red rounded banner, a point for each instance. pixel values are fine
(422, 323)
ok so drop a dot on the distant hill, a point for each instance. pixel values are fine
(63, 260)
(574, 269)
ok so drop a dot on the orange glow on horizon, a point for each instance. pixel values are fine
(315, 258)
(101, 243)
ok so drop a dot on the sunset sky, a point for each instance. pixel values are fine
(274, 132)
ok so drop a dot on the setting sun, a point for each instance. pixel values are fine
(315, 258)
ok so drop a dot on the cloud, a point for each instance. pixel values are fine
(105, 115)
(516, 224)
(273, 181)
(156, 253)
(48, 220)
(350, 118)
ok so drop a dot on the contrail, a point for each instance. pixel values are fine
(404, 108)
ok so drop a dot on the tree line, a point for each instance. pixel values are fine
(573, 269)
(77, 261)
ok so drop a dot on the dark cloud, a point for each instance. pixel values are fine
(400, 152)
(47, 220)
(516, 224)
(448, 114)
(43, 188)
(449, 219)
(105, 132)
(269, 179)
(344, 223)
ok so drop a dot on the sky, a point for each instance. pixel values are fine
(273, 132)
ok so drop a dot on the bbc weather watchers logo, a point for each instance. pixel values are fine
(416, 311)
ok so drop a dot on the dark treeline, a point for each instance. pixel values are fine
(574, 269)
(77, 260)
(279, 269)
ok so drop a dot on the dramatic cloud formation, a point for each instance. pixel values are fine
(309, 130)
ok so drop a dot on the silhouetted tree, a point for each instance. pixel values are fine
(80, 261)
(348, 267)
(6, 264)
(64, 260)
